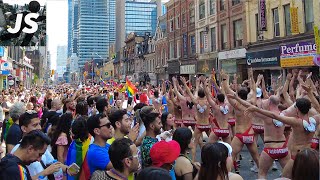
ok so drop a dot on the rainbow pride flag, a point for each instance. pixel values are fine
(6, 127)
(131, 88)
(76, 154)
(111, 99)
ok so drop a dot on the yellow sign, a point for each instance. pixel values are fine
(52, 72)
(297, 61)
(294, 20)
(85, 74)
(317, 38)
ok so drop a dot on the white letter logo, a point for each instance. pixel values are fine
(34, 25)
(17, 25)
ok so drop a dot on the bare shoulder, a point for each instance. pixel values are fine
(233, 176)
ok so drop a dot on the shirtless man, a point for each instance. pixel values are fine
(220, 109)
(275, 142)
(303, 129)
(187, 106)
(257, 122)
(244, 132)
(202, 113)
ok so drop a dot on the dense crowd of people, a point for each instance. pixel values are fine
(102, 133)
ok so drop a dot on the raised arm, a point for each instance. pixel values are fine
(225, 86)
(286, 120)
(253, 88)
(175, 84)
(264, 89)
(313, 99)
(207, 92)
(285, 90)
(188, 90)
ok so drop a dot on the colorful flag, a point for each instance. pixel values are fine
(111, 99)
(76, 154)
(131, 89)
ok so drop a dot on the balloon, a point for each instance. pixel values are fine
(316, 59)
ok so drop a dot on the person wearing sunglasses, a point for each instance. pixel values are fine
(100, 128)
(124, 157)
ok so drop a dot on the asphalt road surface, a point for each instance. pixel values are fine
(246, 164)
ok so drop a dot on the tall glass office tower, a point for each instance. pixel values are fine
(93, 29)
(69, 27)
(138, 17)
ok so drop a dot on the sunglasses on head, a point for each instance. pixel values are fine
(108, 125)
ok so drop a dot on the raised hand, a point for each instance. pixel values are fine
(232, 96)
(183, 80)
(289, 76)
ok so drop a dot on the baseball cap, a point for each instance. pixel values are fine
(259, 92)
(228, 146)
(164, 152)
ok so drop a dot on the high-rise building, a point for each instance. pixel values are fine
(96, 24)
(62, 55)
(69, 27)
(74, 26)
(134, 16)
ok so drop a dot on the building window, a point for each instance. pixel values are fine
(287, 20)
(222, 5)
(171, 50)
(238, 33)
(235, 2)
(224, 37)
(212, 7)
(178, 22)
(178, 49)
(213, 39)
(184, 22)
(191, 13)
(308, 14)
(276, 23)
(202, 9)
(202, 42)
(171, 24)
(193, 44)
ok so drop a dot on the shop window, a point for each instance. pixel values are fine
(224, 37)
(202, 9)
(237, 33)
(308, 14)
(276, 24)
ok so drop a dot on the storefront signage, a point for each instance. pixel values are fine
(188, 69)
(294, 20)
(299, 54)
(205, 67)
(262, 15)
(233, 54)
(1, 51)
(185, 44)
(317, 38)
(263, 58)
